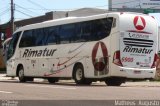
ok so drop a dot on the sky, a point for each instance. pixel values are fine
(31, 8)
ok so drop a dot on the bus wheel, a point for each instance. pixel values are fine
(21, 74)
(78, 74)
(114, 81)
(52, 80)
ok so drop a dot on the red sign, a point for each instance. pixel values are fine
(100, 62)
(139, 23)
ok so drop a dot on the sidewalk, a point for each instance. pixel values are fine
(142, 84)
(3, 77)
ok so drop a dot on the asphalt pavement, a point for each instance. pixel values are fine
(145, 83)
(67, 93)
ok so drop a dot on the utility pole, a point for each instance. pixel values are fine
(12, 17)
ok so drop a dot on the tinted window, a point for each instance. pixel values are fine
(86, 31)
(77, 32)
(12, 45)
(38, 35)
(101, 28)
(66, 32)
(52, 37)
(27, 39)
(92, 30)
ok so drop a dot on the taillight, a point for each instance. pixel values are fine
(116, 58)
(156, 57)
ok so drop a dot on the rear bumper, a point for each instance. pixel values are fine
(136, 73)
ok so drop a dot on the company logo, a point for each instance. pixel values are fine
(131, 49)
(99, 56)
(38, 53)
(139, 23)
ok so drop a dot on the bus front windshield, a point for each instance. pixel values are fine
(12, 45)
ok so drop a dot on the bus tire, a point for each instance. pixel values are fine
(78, 74)
(114, 82)
(21, 76)
(52, 80)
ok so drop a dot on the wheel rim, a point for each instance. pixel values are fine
(21, 73)
(79, 74)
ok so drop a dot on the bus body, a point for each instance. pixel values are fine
(110, 47)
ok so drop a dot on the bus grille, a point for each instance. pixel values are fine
(138, 42)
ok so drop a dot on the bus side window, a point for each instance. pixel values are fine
(53, 36)
(108, 24)
(66, 32)
(86, 31)
(101, 28)
(93, 30)
(12, 45)
(78, 33)
(39, 37)
(27, 39)
(82, 32)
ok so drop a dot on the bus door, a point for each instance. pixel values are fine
(30, 63)
(12, 54)
(33, 65)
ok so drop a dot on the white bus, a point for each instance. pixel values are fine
(111, 47)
